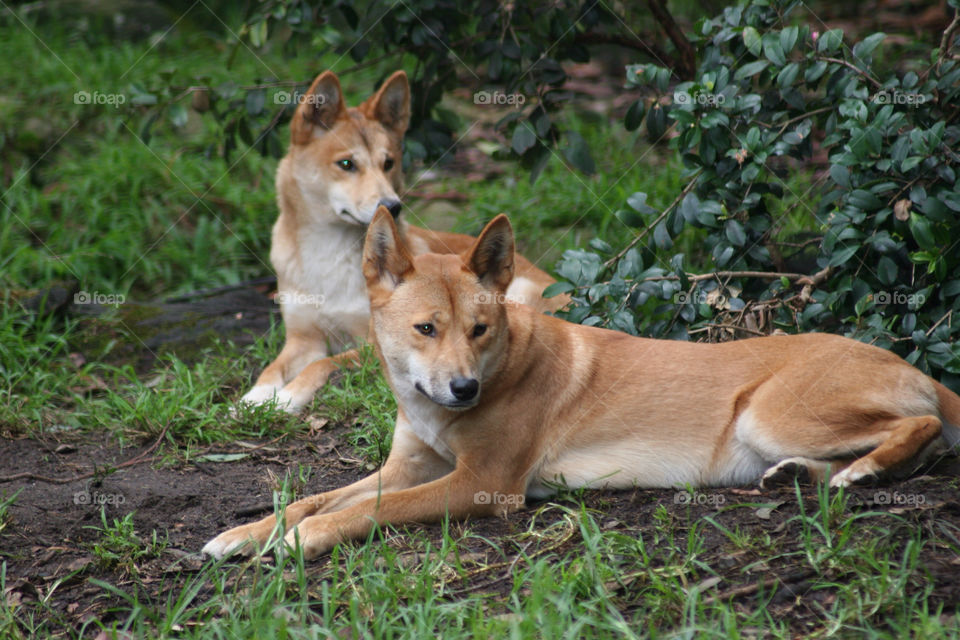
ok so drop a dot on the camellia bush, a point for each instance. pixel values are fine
(869, 248)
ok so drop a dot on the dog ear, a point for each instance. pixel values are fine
(320, 107)
(391, 104)
(492, 256)
(386, 259)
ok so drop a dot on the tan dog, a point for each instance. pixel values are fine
(341, 165)
(497, 402)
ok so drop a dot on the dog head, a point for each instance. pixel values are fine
(347, 160)
(439, 322)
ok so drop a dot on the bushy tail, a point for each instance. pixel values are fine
(950, 412)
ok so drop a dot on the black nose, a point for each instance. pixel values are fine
(393, 206)
(464, 389)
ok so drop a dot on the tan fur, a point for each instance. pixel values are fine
(318, 237)
(569, 405)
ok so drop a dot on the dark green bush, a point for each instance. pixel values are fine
(510, 51)
(875, 242)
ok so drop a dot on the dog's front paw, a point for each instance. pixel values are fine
(288, 402)
(313, 537)
(261, 394)
(245, 540)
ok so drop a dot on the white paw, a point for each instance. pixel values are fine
(785, 473)
(259, 395)
(312, 540)
(224, 545)
(287, 402)
(847, 477)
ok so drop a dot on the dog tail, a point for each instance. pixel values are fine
(950, 412)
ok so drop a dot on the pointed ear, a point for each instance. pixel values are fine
(319, 108)
(391, 104)
(386, 259)
(491, 257)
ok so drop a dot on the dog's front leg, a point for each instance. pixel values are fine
(410, 463)
(300, 349)
(461, 493)
(300, 391)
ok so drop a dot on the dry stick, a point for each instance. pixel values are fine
(855, 68)
(947, 40)
(687, 62)
(652, 49)
(756, 586)
(687, 189)
(725, 326)
(937, 324)
(28, 475)
(696, 277)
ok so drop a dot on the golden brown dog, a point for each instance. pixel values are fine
(497, 402)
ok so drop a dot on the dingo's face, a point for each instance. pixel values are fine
(439, 320)
(347, 161)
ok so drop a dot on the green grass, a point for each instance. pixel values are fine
(569, 578)
(118, 545)
(363, 399)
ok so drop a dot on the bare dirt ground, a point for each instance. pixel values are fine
(49, 538)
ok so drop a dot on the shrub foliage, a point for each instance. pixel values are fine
(871, 250)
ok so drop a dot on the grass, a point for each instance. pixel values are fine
(85, 202)
(118, 546)
(570, 579)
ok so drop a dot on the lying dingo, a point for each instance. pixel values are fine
(497, 402)
(341, 165)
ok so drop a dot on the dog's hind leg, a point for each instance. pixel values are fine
(906, 439)
(801, 469)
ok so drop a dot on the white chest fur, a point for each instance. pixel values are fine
(321, 279)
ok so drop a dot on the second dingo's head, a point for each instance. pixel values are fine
(439, 322)
(347, 161)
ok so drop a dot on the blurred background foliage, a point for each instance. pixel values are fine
(751, 168)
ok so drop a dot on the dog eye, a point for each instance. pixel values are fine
(426, 329)
(346, 165)
(479, 330)
(388, 164)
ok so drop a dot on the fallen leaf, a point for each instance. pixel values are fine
(709, 583)
(765, 512)
(223, 457)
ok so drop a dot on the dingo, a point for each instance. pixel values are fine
(497, 402)
(342, 164)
